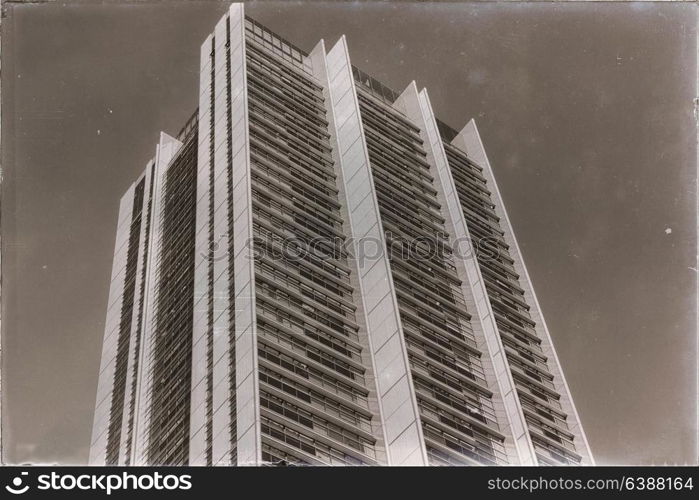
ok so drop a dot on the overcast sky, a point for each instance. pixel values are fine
(586, 113)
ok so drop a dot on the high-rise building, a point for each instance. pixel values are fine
(319, 271)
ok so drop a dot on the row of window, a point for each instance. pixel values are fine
(277, 45)
(338, 407)
(317, 424)
(309, 445)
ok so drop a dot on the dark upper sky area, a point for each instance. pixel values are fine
(586, 113)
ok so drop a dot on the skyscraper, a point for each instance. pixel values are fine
(319, 271)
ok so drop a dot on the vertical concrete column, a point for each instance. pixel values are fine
(374, 284)
(199, 422)
(166, 149)
(221, 453)
(249, 450)
(417, 107)
(105, 384)
(469, 141)
(320, 70)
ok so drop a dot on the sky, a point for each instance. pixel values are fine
(585, 109)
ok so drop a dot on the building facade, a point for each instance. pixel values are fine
(319, 271)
